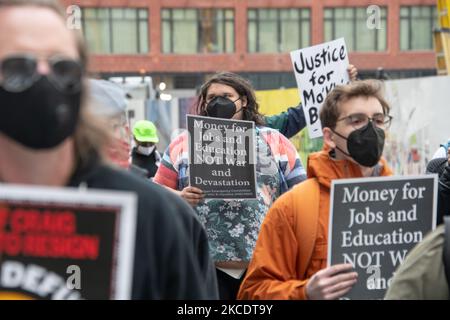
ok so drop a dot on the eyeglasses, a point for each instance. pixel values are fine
(359, 120)
(19, 72)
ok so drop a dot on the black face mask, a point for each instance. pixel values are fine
(221, 107)
(365, 145)
(40, 117)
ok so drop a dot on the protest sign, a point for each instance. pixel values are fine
(375, 222)
(63, 243)
(318, 69)
(222, 157)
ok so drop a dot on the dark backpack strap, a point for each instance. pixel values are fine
(447, 249)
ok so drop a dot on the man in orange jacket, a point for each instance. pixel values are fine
(290, 258)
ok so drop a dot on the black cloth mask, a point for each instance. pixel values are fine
(365, 145)
(221, 107)
(40, 117)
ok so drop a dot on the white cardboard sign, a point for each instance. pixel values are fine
(318, 69)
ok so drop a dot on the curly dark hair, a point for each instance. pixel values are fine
(242, 86)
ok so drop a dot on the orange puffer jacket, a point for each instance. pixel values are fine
(293, 240)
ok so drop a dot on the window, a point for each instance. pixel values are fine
(278, 30)
(189, 31)
(416, 27)
(352, 24)
(271, 80)
(116, 30)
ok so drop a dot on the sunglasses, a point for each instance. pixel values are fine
(19, 72)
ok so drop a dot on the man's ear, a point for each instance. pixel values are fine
(328, 138)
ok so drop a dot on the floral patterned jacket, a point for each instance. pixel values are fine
(233, 225)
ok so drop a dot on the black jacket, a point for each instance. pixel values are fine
(171, 251)
(147, 163)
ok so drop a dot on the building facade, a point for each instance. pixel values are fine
(180, 42)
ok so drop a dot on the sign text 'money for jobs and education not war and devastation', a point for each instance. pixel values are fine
(375, 222)
(66, 244)
(222, 157)
(318, 69)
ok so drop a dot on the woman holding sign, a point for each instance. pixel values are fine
(292, 121)
(233, 225)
